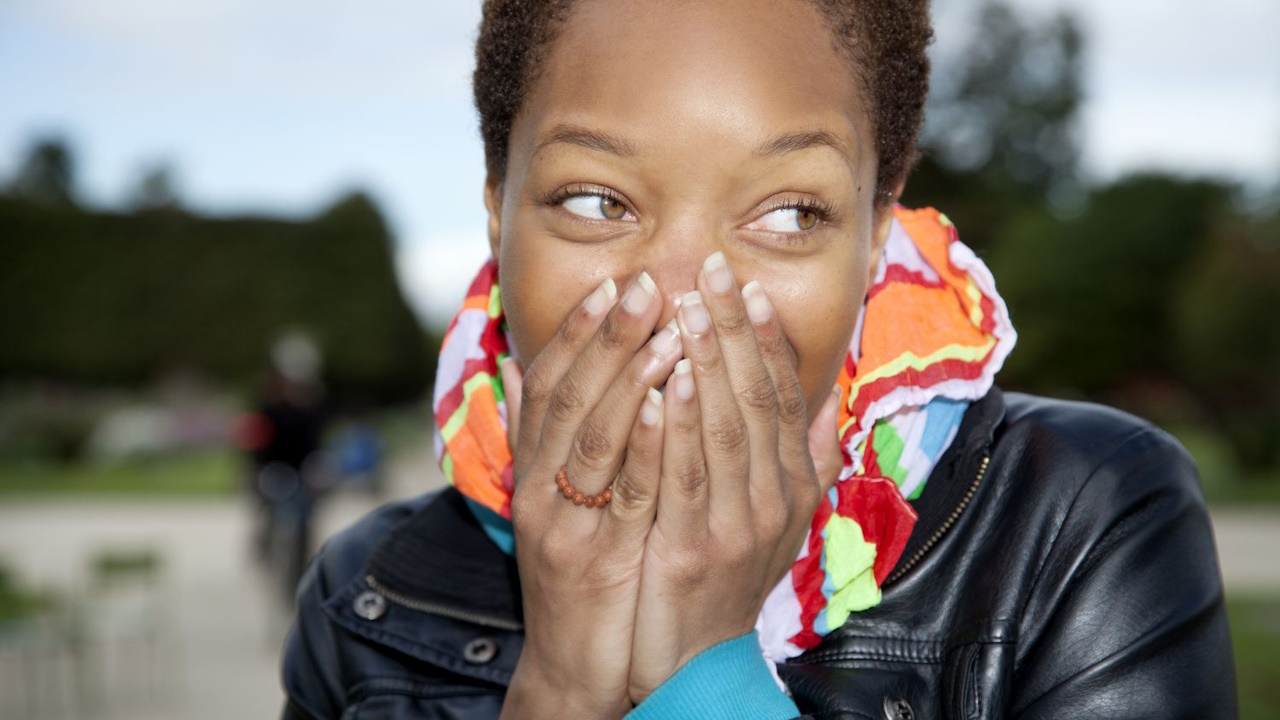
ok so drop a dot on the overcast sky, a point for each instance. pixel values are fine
(279, 107)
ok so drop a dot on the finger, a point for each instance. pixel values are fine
(792, 410)
(512, 386)
(682, 491)
(737, 339)
(594, 459)
(544, 373)
(585, 382)
(726, 440)
(824, 442)
(634, 495)
(745, 368)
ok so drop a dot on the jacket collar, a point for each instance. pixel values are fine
(441, 556)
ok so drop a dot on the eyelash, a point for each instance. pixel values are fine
(824, 212)
(557, 197)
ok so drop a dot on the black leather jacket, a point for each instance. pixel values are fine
(1062, 567)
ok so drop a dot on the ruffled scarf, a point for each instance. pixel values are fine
(929, 340)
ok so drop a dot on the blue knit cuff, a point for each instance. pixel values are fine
(729, 681)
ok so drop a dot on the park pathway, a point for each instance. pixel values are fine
(223, 663)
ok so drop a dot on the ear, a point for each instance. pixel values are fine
(881, 226)
(493, 204)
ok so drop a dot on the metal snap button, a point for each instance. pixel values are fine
(896, 708)
(480, 651)
(370, 605)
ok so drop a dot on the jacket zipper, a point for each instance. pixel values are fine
(441, 610)
(951, 520)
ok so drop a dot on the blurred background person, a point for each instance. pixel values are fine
(286, 470)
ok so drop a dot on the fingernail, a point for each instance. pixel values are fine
(758, 307)
(683, 379)
(838, 393)
(667, 339)
(694, 313)
(639, 295)
(719, 279)
(651, 410)
(602, 299)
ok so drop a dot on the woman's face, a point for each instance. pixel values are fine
(657, 133)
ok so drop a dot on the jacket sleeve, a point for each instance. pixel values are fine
(1126, 617)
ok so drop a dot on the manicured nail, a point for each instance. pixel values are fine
(639, 295)
(602, 299)
(667, 339)
(758, 307)
(651, 410)
(719, 279)
(694, 313)
(683, 379)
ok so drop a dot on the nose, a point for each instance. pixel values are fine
(674, 257)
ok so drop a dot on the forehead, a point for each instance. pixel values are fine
(726, 71)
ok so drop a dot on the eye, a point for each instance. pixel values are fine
(595, 207)
(787, 220)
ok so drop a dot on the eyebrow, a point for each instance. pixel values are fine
(590, 139)
(794, 142)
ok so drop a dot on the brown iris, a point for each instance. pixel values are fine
(806, 219)
(612, 209)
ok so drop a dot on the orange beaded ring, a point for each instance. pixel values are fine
(571, 493)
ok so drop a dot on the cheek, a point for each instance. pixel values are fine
(818, 314)
(542, 282)
(819, 331)
(535, 298)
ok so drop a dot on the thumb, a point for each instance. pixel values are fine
(512, 388)
(824, 442)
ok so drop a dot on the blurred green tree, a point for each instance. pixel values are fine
(157, 189)
(1093, 297)
(122, 299)
(1002, 122)
(47, 176)
(1227, 338)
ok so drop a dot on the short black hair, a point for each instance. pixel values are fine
(885, 39)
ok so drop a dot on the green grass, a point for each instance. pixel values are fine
(208, 473)
(1255, 634)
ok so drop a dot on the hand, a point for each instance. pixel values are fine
(587, 402)
(739, 481)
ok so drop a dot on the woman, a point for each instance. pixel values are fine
(729, 411)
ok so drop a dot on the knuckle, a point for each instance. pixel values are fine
(553, 547)
(739, 551)
(593, 445)
(709, 363)
(688, 565)
(791, 403)
(612, 336)
(536, 388)
(732, 323)
(686, 424)
(566, 402)
(728, 436)
(523, 511)
(691, 478)
(805, 492)
(574, 327)
(629, 495)
(759, 394)
(773, 522)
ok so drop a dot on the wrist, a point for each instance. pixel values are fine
(542, 690)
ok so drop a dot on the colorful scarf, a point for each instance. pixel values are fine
(929, 340)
